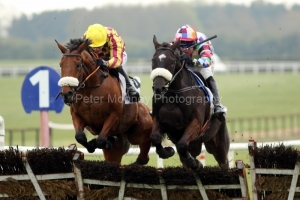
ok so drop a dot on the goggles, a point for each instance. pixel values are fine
(186, 44)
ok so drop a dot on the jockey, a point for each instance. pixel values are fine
(203, 62)
(107, 43)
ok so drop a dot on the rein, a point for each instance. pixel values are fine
(173, 78)
(166, 48)
(82, 84)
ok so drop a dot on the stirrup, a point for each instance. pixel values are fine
(134, 96)
(220, 109)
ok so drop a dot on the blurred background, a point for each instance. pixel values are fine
(257, 69)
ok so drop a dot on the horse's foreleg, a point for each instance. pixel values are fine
(182, 146)
(156, 139)
(80, 135)
(81, 138)
(109, 126)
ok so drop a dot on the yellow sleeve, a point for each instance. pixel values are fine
(116, 48)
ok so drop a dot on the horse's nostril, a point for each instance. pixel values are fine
(157, 91)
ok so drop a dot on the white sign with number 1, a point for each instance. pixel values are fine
(42, 77)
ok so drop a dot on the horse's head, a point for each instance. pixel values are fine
(165, 66)
(76, 64)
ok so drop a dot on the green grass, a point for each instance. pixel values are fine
(245, 95)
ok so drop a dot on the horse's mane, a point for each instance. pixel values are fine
(75, 43)
(165, 44)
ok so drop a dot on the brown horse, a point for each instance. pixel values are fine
(182, 112)
(96, 104)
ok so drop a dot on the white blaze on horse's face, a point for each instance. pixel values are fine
(161, 71)
(68, 81)
(161, 57)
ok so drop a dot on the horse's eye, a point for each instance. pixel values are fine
(79, 65)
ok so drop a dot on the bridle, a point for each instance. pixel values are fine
(175, 75)
(82, 66)
(173, 52)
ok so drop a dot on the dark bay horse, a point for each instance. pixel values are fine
(182, 112)
(96, 104)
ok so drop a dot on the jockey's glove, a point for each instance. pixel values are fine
(201, 62)
(188, 60)
(100, 62)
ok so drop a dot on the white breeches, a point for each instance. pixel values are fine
(207, 72)
(124, 59)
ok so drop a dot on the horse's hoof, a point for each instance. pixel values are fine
(81, 138)
(90, 150)
(197, 165)
(91, 146)
(166, 152)
(193, 163)
(101, 144)
(140, 161)
(170, 150)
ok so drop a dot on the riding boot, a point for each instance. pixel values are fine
(133, 94)
(212, 85)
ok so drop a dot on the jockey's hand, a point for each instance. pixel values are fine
(188, 60)
(201, 62)
(100, 62)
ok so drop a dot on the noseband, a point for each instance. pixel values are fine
(82, 84)
(81, 64)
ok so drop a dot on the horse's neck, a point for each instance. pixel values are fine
(182, 80)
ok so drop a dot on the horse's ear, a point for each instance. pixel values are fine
(83, 46)
(176, 44)
(156, 44)
(61, 47)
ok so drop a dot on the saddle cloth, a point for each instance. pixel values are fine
(135, 82)
(206, 90)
